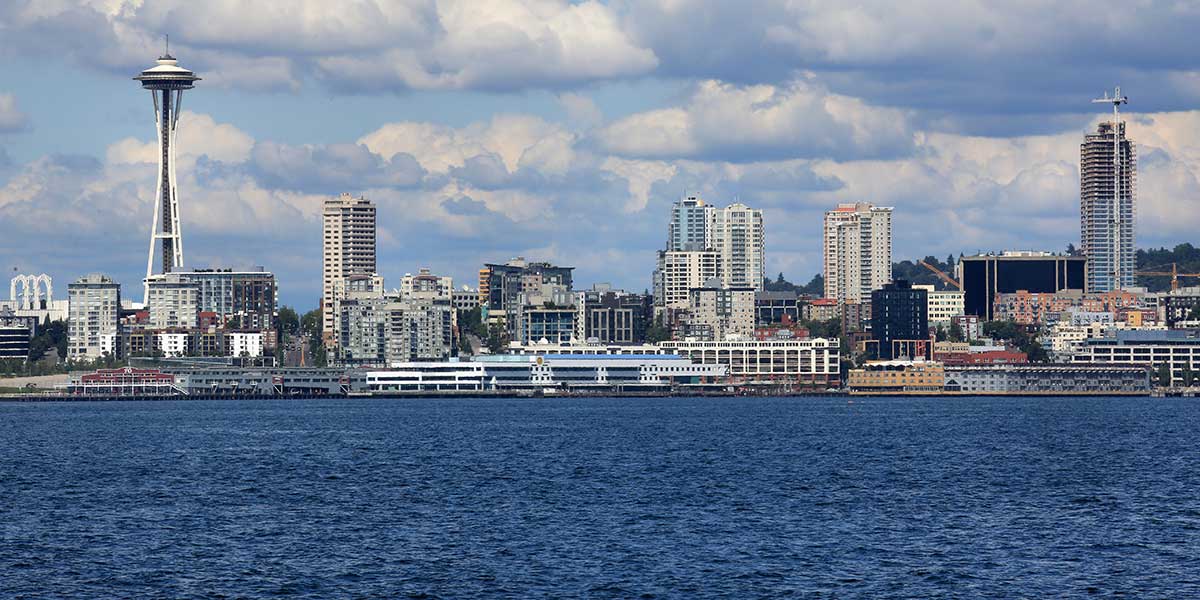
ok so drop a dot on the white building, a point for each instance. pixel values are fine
(379, 330)
(736, 233)
(93, 324)
(172, 344)
(348, 239)
(33, 296)
(680, 272)
(858, 250)
(426, 286)
(721, 313)
(244, 343)
(174, 301)
(547, 372)
(942, 305)
(812, 362)
(704, 242)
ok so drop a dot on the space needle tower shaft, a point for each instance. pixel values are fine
(166, 82)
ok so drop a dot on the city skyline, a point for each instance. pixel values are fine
(558, 163)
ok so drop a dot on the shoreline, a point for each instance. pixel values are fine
(532, 395)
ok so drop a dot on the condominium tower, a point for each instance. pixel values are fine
(736, 233)
(93, 322)
(706, 242)
(858, 250)
(1107, 163)
(349, 249)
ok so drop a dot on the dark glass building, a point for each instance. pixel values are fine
(615, 317)
(505, 282)
(771, 307)
(898, 314)
(985, 276)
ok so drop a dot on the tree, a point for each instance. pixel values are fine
(941, 333)
(310, 323)
(1189, 377)
(1164, 374)
(956, 332)
(657, 332)
(497, 338)
(288, 321)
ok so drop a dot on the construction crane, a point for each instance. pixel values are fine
(944, 277)
(1174, 274)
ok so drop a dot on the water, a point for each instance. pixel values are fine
(606, 498)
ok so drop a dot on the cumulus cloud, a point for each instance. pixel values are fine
(11, 118)
(761, 122)
(357, 46)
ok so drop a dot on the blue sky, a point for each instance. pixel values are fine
(562, 131)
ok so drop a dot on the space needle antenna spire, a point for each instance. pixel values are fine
(1116, 101)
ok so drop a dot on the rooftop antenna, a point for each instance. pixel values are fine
(1116, 100)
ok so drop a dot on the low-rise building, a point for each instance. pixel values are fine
(16, 332)
(1048, 379)
(822, 309)
(942, 305)
(1178, 348)
(799, 363)
(566, 372)
(772, 307)
(377, 331)
(609, 316)
(897, 377)
(724, 313)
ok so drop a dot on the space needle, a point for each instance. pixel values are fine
(166, 82)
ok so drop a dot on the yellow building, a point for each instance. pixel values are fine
(898, 377)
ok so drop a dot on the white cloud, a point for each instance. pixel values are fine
(11, 117)
(199, 135)
(761, 122)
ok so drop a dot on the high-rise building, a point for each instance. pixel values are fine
(1108, 206)
(680, 272)
(899, 322)
(704, 242)
(93, 322)
(688, 229)
(736, 232)
(858, 250)
(174, 301)
(349, 248)
(166, 82)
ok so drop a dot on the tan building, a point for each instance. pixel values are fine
(898, 377)
(349, 248)
(722, 312)
(858, 250)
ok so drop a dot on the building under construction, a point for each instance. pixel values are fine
(1108, 165)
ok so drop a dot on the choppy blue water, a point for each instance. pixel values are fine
(607, 498)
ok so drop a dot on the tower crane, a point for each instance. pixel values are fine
(944, 277)
(1174, 274)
